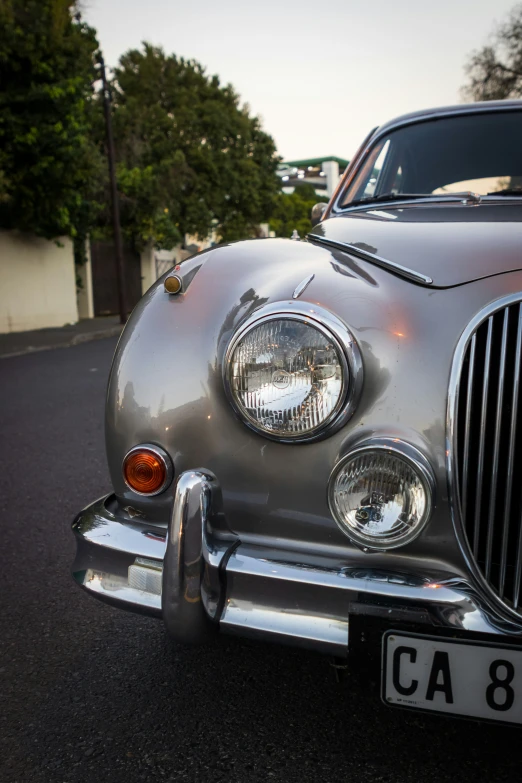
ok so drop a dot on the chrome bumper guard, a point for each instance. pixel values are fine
(200, 578)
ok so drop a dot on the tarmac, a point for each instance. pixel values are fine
(87, 329)
(90, 693)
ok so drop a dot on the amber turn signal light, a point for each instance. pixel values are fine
(147, 470)
(172, 284)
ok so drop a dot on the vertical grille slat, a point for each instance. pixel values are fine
(467, 431)
(514, 428)
(488, 449)
(496, 447)
(509, 478)
(482, 439)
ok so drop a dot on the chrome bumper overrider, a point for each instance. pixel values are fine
(200, 578)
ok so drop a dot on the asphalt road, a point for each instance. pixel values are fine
(92, 694)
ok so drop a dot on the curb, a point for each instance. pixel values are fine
(76, 339)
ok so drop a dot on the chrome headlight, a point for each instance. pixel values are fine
(293, 375)
(381, 494)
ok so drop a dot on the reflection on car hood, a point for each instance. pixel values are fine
(449, 243)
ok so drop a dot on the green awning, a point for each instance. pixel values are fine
(302, 164)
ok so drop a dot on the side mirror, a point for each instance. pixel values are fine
(317, 212)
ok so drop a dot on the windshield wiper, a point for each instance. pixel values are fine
(506, 192)
(466, 195)
(387, 197)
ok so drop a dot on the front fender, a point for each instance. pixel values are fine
(166, 387)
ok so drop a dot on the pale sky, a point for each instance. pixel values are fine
(319, 74)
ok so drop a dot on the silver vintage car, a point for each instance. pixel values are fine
(312, 438)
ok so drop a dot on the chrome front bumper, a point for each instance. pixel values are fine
(200, 578)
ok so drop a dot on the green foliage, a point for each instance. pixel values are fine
(49, 164)
(190, 158)
(292, 211)
(495, 71)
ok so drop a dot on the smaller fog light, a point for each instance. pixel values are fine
(381, 496)
(147, 470)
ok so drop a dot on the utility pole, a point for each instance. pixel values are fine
(120, 268)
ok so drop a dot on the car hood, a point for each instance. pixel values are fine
(450, 244)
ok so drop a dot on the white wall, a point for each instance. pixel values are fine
(85, 293)
(37, 283)
(331, 169)
(148, 267)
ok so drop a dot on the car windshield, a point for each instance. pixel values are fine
(481, 153)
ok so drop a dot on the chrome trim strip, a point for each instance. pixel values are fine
(451, 451)
(408, 453)
(163, 456)
(390, 266)
(348, 350)
(303, 285)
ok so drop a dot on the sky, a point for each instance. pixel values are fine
(319, 75)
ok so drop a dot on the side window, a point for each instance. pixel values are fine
(377, 171)
(372, 183)
(396, 186)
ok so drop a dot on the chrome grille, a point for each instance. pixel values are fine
(488, 450)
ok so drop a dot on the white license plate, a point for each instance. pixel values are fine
(471, 679)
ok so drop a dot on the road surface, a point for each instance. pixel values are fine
(91, 694)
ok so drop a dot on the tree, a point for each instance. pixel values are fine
(189, 157)
(49, 164)
(292, 211)
(495, 71)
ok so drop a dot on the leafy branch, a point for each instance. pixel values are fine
(495, 71)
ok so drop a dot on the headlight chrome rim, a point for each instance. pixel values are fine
(420, 465)
(346, 347)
